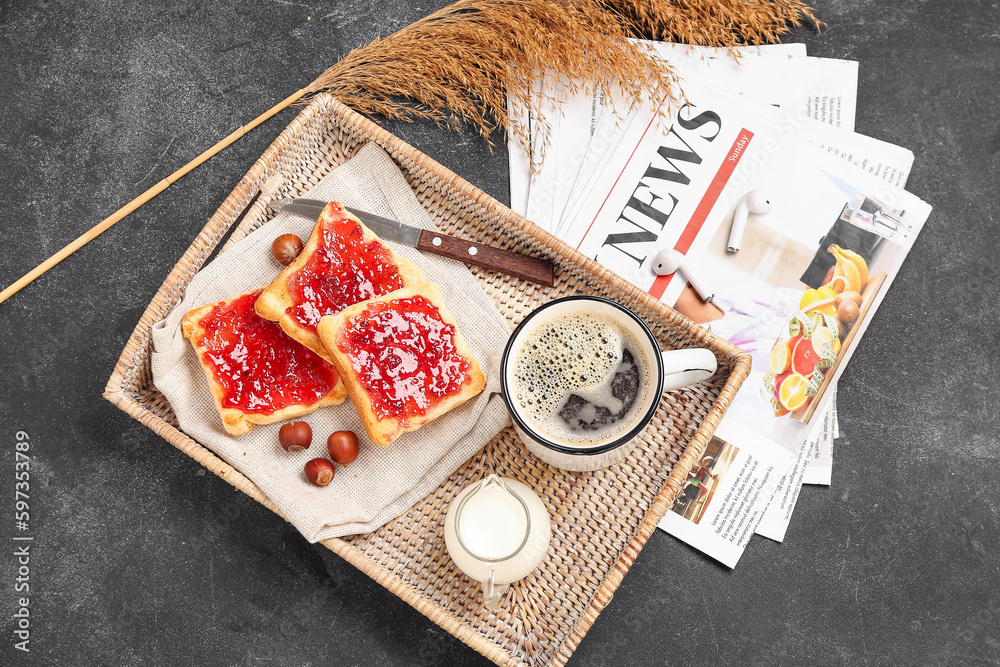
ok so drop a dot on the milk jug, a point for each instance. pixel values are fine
(497, 531)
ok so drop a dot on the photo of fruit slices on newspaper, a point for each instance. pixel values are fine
(809, 272)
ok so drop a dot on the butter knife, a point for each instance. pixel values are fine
(511, 263)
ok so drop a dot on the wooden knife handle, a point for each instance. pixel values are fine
(511, 263)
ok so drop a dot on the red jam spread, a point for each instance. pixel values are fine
(260, 369)
(341, 272)
(404, 355)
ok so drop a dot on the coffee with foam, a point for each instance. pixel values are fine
(582, 379)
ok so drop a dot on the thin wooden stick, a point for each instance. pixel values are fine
(97, 229)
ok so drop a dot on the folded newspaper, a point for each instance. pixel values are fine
(795, 281)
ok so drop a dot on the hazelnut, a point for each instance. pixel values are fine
(286, 248)
(343, 446)
(320, 472)
(296, 436)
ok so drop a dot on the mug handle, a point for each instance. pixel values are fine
(682, 368)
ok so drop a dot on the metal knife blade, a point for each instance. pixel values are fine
(388, 229)
(515, 264)
(309, 208)
(385, 228)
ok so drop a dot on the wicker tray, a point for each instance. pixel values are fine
(600, 520)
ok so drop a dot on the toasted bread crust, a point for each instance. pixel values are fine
(276, 299)
(383, 431)
(236, 421)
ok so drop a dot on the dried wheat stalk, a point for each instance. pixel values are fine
(458, 65)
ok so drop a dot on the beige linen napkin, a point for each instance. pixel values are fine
(383, 482)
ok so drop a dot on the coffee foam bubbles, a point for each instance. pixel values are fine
(578, 354)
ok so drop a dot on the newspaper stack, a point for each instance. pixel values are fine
(784, 214)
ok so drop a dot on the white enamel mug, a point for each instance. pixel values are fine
(670, 370)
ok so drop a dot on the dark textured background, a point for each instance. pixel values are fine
(141, 558)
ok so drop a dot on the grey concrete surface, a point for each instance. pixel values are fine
(141, 558)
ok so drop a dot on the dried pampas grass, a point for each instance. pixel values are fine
(458, 65)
